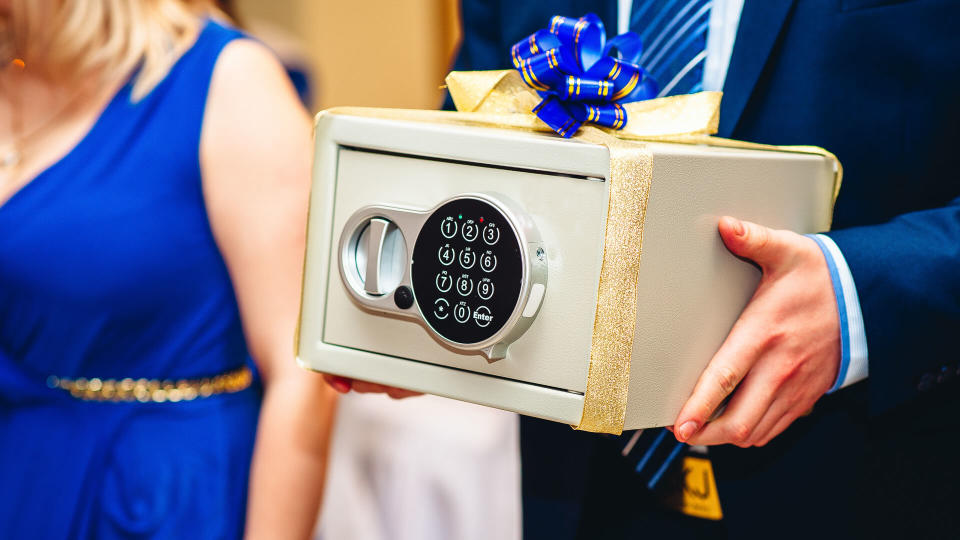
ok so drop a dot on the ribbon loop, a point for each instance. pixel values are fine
(580, 76)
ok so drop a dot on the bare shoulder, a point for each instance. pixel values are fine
(253, 117)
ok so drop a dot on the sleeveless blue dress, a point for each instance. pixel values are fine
(109, 269)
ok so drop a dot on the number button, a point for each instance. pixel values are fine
(470, 230)
(446, 255)
(491, 234)
(448, 227)
(488, 261)
(464, 285)
(461, 312)
(441, 309)
(485, 289)
(444, 281)
(468, 258)
(482, 316)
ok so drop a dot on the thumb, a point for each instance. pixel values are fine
(760, 244)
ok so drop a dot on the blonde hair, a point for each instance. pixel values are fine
(66, 40)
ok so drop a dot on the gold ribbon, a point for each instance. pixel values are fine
(502, 99)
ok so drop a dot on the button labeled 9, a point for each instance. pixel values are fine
(485, 289)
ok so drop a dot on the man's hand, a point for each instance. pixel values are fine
(782, 354)
(344, 385)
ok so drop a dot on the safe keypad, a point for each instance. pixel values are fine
(467, 270)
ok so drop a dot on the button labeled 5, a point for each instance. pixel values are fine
(467, 258)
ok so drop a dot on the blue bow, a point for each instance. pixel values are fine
(580, 77)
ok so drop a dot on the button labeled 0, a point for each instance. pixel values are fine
(461, 312)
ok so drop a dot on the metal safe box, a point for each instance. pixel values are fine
(464, 261)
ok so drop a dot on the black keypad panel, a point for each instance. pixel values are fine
(467, 270)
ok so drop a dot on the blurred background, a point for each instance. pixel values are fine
(424, 468)
(380, 53)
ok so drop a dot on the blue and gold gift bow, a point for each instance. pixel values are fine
(581, 76)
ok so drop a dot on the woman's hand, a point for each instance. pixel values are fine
(344, 385)
(782, 354)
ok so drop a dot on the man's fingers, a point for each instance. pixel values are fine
(740, 420)
(760, 244)
(722, 375)
(779, 427)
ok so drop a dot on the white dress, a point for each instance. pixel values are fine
(424, 468)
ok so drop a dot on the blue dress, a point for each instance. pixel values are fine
(109, 269)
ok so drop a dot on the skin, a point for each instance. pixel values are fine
(781, 356)
(255, 155)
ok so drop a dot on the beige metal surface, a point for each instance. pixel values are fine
(691, 289)
(564, 208)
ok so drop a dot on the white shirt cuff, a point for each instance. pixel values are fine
(854, 364)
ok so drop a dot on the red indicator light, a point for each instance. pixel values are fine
(481, 220)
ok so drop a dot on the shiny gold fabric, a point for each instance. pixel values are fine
(502, 99)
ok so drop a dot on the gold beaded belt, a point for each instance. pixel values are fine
(153, 390)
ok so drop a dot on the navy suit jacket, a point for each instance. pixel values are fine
(878, 83)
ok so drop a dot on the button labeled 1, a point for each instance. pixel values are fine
(488, 261)
(448, 227)
(446, 255)
(461, 312)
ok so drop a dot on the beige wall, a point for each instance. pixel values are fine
(385, 53)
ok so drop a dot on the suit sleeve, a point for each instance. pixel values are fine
(907, 274)
(481, 46)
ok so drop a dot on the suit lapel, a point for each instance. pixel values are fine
(760, 24)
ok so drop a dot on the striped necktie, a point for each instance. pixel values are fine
(674, 35)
